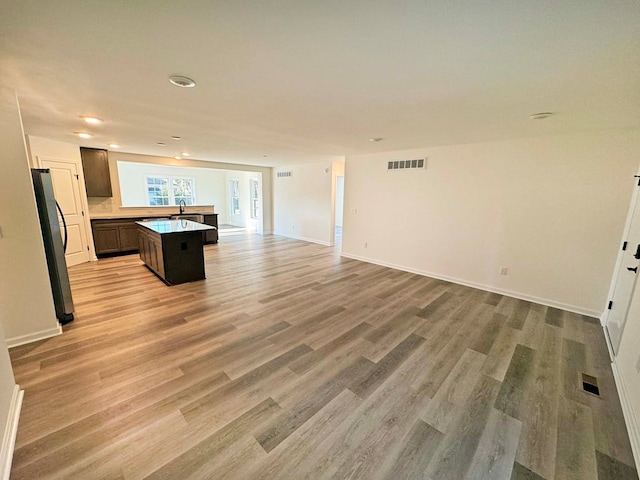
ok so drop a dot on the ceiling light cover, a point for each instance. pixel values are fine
(175, 137)
(178, 157)
(83, 134)
(161, 144)
(180, 81)
(114, 145)
(92, 120)
(185, 154)
(376, 139)
(540, 116)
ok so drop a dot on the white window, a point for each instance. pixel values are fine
(255, 198)
(170, 190)
(235, 196)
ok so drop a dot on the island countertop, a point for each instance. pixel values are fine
(175, 226)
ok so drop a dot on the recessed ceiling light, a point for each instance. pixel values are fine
(114, 145)
(162, 144)
(540, 116)
(376, 139)
(175, 137)
(180, 81)
(83, 134)
(178, 158)
(185, 154)
(264, 156)
(92, 120)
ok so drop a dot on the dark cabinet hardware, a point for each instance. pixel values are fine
(633, 269)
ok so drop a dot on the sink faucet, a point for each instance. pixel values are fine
(183, 205)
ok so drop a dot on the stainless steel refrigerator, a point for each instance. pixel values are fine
(54, 246)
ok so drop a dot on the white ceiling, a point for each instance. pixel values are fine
(304, 80)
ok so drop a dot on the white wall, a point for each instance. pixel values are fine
(26, 302)
(10, 402)
(550, 209)
(210, 184)
(303, 203)
(112, 206)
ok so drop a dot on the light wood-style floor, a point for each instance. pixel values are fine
(290, 362)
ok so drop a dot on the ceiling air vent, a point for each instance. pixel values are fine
(284, 174)
(404, 164)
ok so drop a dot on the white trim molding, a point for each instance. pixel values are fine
(633, 427)
(10, 432)
(304, 239)
(480, 286)
(34, 337)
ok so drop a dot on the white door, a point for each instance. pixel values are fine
(66, 188)
(625, 276)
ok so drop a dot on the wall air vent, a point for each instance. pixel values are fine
(284, 174)
(405, 164)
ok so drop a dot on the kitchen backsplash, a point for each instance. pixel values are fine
(105, 208)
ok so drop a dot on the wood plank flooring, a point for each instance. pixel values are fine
(290, 362)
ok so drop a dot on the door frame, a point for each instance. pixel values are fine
(633, 205)
(83, 198)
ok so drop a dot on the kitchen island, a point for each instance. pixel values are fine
(172, 249)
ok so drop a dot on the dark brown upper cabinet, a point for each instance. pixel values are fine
(95, 163)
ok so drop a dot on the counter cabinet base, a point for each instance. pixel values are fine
(175, 258)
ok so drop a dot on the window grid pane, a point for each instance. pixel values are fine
(170, 191)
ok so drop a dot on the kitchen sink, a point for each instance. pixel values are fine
(186, 216)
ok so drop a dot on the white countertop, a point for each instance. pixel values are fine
(175, 226)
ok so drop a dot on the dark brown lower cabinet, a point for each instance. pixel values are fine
(150, 248)
(128, 237)
(120, 235)
(211, 236)
(115, 235)
(105, 238)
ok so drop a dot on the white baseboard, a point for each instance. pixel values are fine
(10, 432)
(304, 239)
(488, 288)
(34, 337)
(633, 427)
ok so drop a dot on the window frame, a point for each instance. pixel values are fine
(254, 204)
(171, 198)
(233, 197)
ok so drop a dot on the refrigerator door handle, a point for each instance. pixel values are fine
(64, 224)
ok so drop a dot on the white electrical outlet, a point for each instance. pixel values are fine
(503, 270)
(366, 244)
(354, 210)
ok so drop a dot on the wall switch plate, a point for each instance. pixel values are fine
(638, 365)
(503, 270)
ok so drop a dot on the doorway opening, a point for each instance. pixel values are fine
(244, 194)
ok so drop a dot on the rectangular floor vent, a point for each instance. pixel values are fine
(590, 385)
(404, 164)
(284, 174)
